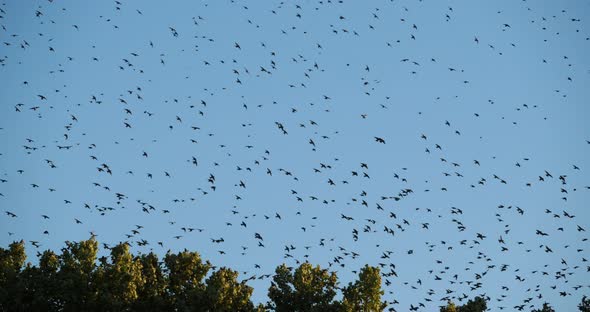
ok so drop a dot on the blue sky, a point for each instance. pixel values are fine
(339, 74)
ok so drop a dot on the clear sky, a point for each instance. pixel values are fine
(473, 99)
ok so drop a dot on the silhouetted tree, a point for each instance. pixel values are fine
(546, 308)
(39, 286)
(584, 306)
(478, 304)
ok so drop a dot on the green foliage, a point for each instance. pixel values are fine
(76, 280)
(449, 308)
(76, 276)
(11, 263)
(40, 288)
(186, 272)
(119, 281)
(152, 293)
(281, 289)
(365, 294)
(478, 304)
(307, 289)
(225, 293)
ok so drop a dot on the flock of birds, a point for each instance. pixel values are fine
(444, 142)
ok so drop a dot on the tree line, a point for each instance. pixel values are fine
(75, 280)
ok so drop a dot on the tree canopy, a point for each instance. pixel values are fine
(75, 280)
(584, 305)
(545, 308)
(478, 304)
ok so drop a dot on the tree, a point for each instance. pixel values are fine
(152, 294)
(186, 272)
(478, 304)
(75, 277)
(307, 289)
(225, 293)
(11, 263)
(546, 308)
(76, 281)
(39, 285)
(365, 294)
(584, 305)
(119, 281)
(449, 308)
